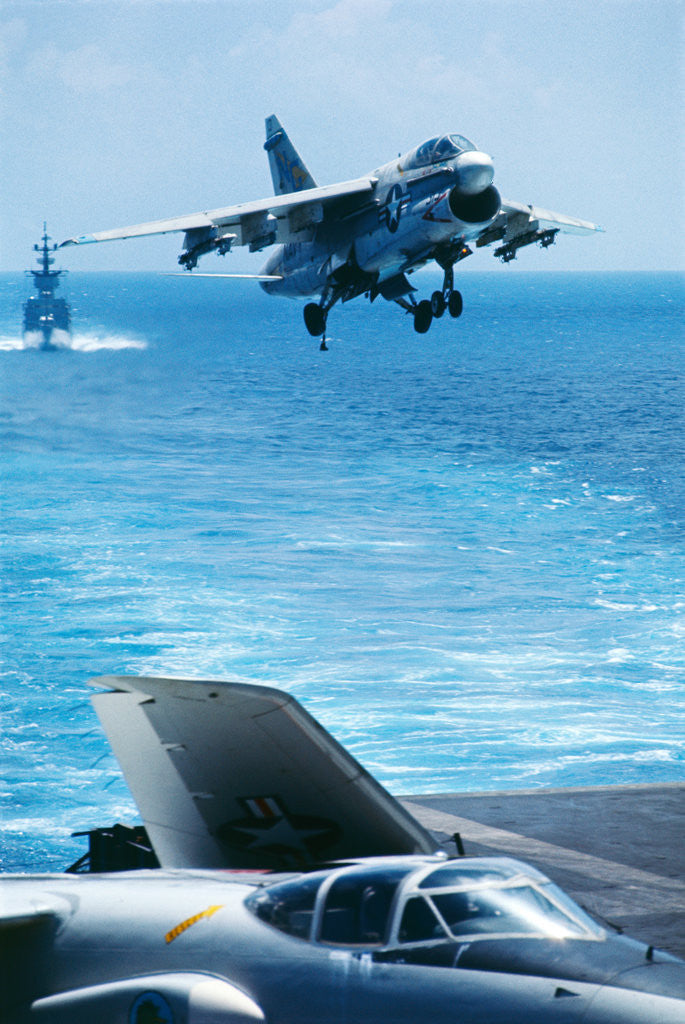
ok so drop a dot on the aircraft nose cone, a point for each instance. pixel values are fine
(475, 172)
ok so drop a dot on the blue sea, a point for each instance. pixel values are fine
(462, 552)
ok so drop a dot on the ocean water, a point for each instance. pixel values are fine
(462, 552)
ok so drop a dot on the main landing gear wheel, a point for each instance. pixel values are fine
(455, 304)
(423, 315)
(438, 304)
(314, 319)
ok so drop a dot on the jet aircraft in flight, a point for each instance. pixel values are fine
(365, 236)
(293, 889)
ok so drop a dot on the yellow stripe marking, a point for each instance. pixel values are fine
(185, 925)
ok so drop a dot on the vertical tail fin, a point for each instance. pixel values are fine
(288, 171)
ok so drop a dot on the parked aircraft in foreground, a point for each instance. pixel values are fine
(362, 237)
(294, 889)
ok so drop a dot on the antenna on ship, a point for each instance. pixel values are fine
(46, 317)
(45, 260)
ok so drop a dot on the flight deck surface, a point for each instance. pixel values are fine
(619, 851)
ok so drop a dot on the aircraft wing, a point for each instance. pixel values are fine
(517, 225)
(248, 223)
(529, 215)
(240, 775)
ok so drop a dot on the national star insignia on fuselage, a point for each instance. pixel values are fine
(398, 200)
(365, 235)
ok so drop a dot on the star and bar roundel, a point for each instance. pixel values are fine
(396, 202)
(269, 831)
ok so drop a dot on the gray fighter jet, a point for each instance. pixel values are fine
(364, 236)
(293, 889)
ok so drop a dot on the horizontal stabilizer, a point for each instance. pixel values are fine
(240, 775)
(241, 277)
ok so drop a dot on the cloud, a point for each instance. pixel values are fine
(346, 19)
(318, 41)
(85, 70)
(13, 32)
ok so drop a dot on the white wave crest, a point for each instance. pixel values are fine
(82, 342)
(58, 339)
(94, 342)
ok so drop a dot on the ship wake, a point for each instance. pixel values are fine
(91, 341)
(94, 342)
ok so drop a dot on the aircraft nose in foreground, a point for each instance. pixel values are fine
(475, 172)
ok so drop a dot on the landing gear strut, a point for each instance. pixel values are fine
(450, 296)
(448, 299)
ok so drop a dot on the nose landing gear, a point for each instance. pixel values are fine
(447, 298)
(438, 304)
(451, 298)
(455, 304)
(426, 311)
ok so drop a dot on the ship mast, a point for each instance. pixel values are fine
(46, 279)
(44, 313)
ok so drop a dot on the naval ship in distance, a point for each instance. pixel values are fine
(47, 319)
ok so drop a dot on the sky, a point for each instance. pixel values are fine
(114, 112)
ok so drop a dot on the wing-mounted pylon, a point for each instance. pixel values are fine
(258, 224)
(518, 225)
(240, 775)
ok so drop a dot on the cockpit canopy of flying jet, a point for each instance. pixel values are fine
(442, 147)
(393, 903)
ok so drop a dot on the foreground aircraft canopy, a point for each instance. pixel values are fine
(362, 237)
(294, 889)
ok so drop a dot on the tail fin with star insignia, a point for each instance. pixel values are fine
(236, 775)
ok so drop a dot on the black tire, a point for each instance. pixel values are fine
(455, 304)
(423, 316)
(438, 304)
(314, 320)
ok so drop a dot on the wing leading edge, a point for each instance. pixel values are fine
(517, 225)
(288, 213)
(547, 218)
(239, 775)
